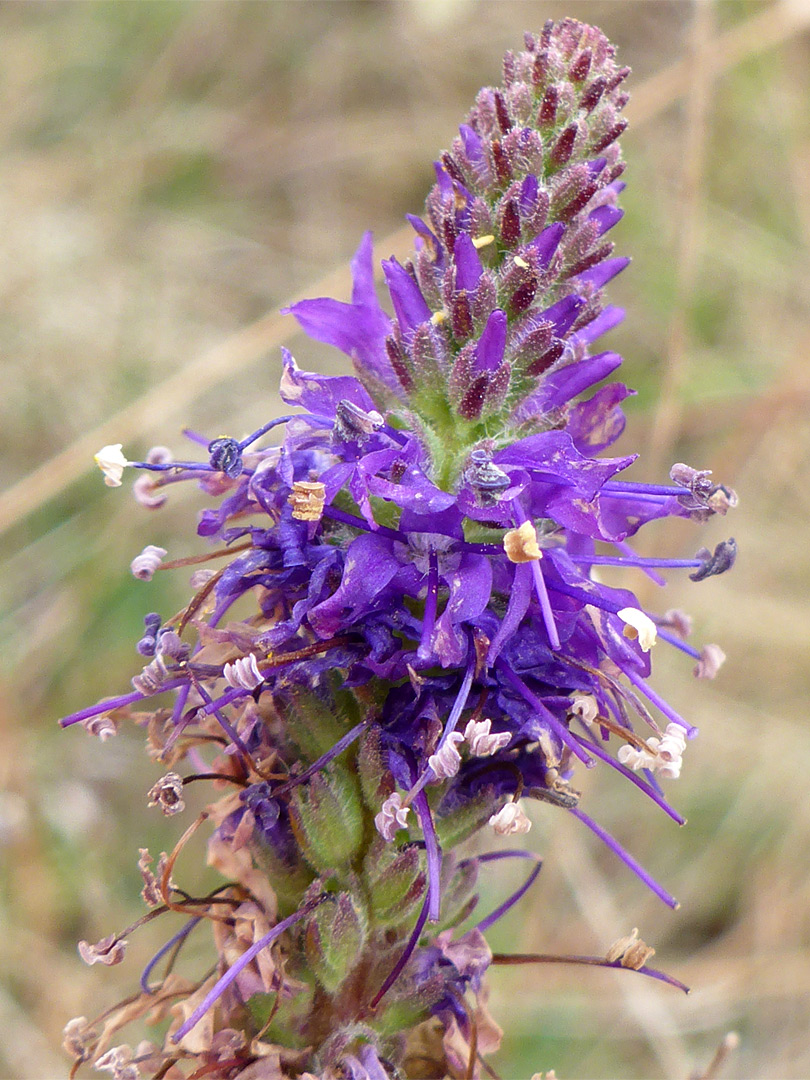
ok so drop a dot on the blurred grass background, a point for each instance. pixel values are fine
(170, 175)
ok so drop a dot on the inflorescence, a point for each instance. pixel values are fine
(427, 642)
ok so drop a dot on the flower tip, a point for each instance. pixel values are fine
(112, 463)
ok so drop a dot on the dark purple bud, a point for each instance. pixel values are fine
(226, 456)
(716, 562)
(467, 262)
(548, 107)
(472, 402)
(609, 137)
(588, 261)
(521, 299)
(579, 201)
(510, 224)
(619, 77)
(503, 170)
(504, 120)
(564, 146)
(397, 359)
(545, 36)
(593, 95)
(486, 479)
(451, 166)
(449, 232)
(549, 357)
(461, 317)
(540, 68)
(489, 351)
(581, 66)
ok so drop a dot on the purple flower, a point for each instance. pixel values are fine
(411, 617)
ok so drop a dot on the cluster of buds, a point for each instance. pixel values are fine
(423, 641)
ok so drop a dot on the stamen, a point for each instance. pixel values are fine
(405, 956)
(180, 936)
(502, 909)
(660, 704)
(434, 856)
(626, 858)
(222, 984)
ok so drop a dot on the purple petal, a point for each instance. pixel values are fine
(319, 393)
(467, 262)
(598, 422)
(562, 314)
(431, 241)
(409, 304)
(519, 596)
(470, 589)
(528, 195)
(547, 242)
(606, 217)
(489, 351)
(358, 329)
(603, 272)
(568, 382)
(606, 320)
(473, 147)
(370, 564)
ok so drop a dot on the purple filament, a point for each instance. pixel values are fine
(626, 857)
(660, 704)
(673, 639)
(176, 939)
(114, 703)
(324, 760)
(501, 910)
(396, 971)
(222, 984)
(434, 856)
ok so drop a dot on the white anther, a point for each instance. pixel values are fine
(112, 463)
(638, 625)
(585, 707)
(392, 817)
(510, 820)
(481, 742)
(447, 760)
(664, 755)
(243, 674)
(483, 241)
(143, 566)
